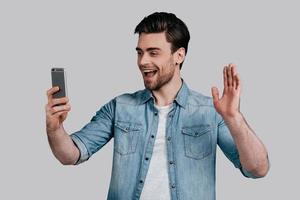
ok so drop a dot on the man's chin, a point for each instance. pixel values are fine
(149, 86)
(152, 87)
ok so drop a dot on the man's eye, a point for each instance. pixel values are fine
(153, 53)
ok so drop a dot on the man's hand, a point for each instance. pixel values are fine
(228, 105)
(56, 110)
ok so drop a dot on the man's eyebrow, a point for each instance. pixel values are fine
(148, 49)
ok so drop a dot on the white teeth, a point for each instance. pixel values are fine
(148, 70)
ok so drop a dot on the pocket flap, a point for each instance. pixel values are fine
(196, 130)
(128, 126)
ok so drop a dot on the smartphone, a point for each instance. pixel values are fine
(58, 76)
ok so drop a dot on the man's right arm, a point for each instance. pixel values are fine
(60, 142)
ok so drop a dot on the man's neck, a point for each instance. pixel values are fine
(167, 93)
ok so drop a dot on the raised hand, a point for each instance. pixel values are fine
(56, 110)
(228, 105)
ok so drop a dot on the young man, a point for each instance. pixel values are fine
(165, 136)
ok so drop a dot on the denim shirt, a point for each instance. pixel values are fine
(193, 131)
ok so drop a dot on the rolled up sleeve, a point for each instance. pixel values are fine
(94, 135)
(228, 146)
(84, 154)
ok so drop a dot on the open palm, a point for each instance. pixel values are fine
(228, 105)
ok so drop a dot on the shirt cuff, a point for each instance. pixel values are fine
(84, 154)
(247, 174)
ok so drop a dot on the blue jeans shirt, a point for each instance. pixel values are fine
(193, 131)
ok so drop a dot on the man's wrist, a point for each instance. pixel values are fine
(233, 117)
(234, 122)
(53, 132)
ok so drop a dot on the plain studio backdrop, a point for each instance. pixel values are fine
(94, 41)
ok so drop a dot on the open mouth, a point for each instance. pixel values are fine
(149, 72)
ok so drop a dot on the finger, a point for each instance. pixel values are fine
(233, 73)
(225, 78)
(51, 91)
(229, 77)
(233, 69)
(52, 109)
(215, 94)
(59, 101)
(56, 109)
(238, 81)
(60, 113)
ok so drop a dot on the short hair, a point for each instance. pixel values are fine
(175, 29)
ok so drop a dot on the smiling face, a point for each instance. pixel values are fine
(155, 60)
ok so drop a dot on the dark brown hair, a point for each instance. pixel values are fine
(176, 31)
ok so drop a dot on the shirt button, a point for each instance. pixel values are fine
(141, 181)
(171, 162)
(173, 185)
(155, 113)
(170, 115)
(146, 158)
(169, 138)
(152, 136)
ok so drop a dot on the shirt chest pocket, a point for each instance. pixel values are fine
(126, 137)
(197, 141)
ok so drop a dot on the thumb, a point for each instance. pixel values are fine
(215, 94)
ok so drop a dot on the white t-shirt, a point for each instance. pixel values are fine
(156, 185)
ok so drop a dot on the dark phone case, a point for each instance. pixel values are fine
(58, 79)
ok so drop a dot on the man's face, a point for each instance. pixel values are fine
(155, 60)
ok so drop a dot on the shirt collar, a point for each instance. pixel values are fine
(181, 97)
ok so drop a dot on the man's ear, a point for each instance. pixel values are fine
(179, 55)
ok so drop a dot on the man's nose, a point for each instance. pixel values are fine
(144, 59)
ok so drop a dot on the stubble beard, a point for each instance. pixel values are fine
(160, 80)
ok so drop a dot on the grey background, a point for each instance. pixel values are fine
(94, 41)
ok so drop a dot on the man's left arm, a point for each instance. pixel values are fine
(252, 152)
